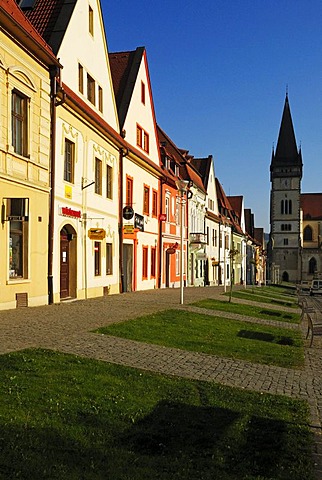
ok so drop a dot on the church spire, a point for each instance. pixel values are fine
(286, 153)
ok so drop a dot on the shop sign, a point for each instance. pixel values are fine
(139, 222)
(128, 212)
(128, 228)
(96, 233)
(69, 212)
(162, 217)
(170, 250)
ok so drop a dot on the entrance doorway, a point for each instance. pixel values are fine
(67, 262)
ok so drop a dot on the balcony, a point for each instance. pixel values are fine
(197, 238)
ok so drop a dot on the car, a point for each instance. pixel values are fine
(316, 287)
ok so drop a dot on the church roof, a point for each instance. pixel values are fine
(311, 205)
(286, 153)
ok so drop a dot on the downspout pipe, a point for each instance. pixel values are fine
(122, 153)
(160, 236)
(54, 73)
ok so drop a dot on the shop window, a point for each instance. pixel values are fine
(109, 259)
(17, 215)
(97, 258)
(19, 123)
(69, 161)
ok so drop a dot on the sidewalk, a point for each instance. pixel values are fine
(67, 327)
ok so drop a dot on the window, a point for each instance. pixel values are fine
(143, 93)
(153, 261)
(90, 20)
(312, 265)
(146, 200)
(208, 239)
(69, 161)
(144, 263)
(109, 259)
(177, 263)
(19, 120)
(285, 241)
(142, 139)
(154, 203)
(100, 99)
(286, 207)
(129, 191)
(308, 234)
(17, 215)
(80, 78)
(167, 209)
(97, 258)
(91, 89)
(98, 176)
(109, 182)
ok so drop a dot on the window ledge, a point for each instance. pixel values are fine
(13, 281)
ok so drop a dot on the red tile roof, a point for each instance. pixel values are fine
(22, 29)
(311, 205)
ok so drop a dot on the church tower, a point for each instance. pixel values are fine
(286, 174)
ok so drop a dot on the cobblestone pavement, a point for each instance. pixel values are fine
(67, 327)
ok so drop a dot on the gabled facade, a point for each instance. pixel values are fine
(238, 249)
(311, 235)
(225, 236)
(206, 169)
(84, 207)
(286, 174)
(140, 171)
(171, 209)
(26, 68)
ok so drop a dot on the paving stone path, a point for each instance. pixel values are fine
(68, 327)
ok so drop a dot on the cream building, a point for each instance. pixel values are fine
(25, 65)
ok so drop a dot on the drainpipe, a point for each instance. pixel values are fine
(160, 236)
(122, 153)
(54, 73)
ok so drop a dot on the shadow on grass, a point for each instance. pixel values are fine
(202, 436)
(265, 337)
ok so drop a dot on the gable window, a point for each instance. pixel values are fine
(98, 176)
(143, 93)
(109, 182)
(146, 200)
(90, 20)
(142, 138)
(91, 89)
(80, 78)
(308, 234)
(19, 123)
(109, 259)
(69, 161)
(100, 99)
(144, 263)
(129, 192)
(154, 203)
(97, 258)
(17, 214)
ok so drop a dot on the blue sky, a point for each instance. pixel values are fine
(219, 72)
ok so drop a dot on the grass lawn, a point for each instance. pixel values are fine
(287, 301)
(67, 418)
(216, 336)
(249, 310)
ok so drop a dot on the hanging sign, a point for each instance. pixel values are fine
(96, 233)
(128, 212)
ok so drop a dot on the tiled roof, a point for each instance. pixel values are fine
(311, 205)
(51, 18)
(22, 29)
(236, 201)
(202, 165)
(124, 69)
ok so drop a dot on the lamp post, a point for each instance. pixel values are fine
(182, 186)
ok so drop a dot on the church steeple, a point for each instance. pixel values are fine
(286, 154)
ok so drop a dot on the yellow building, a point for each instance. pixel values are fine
(25, 65)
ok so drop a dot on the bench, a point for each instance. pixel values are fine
(313, 327)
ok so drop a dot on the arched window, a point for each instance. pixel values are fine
(285, 277)
(312, 265)
(308, 234)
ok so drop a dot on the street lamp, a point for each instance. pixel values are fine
(182, 186)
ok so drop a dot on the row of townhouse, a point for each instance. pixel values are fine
(95, 197)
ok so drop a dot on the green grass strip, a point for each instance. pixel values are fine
(216, 336)
(63, 417)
